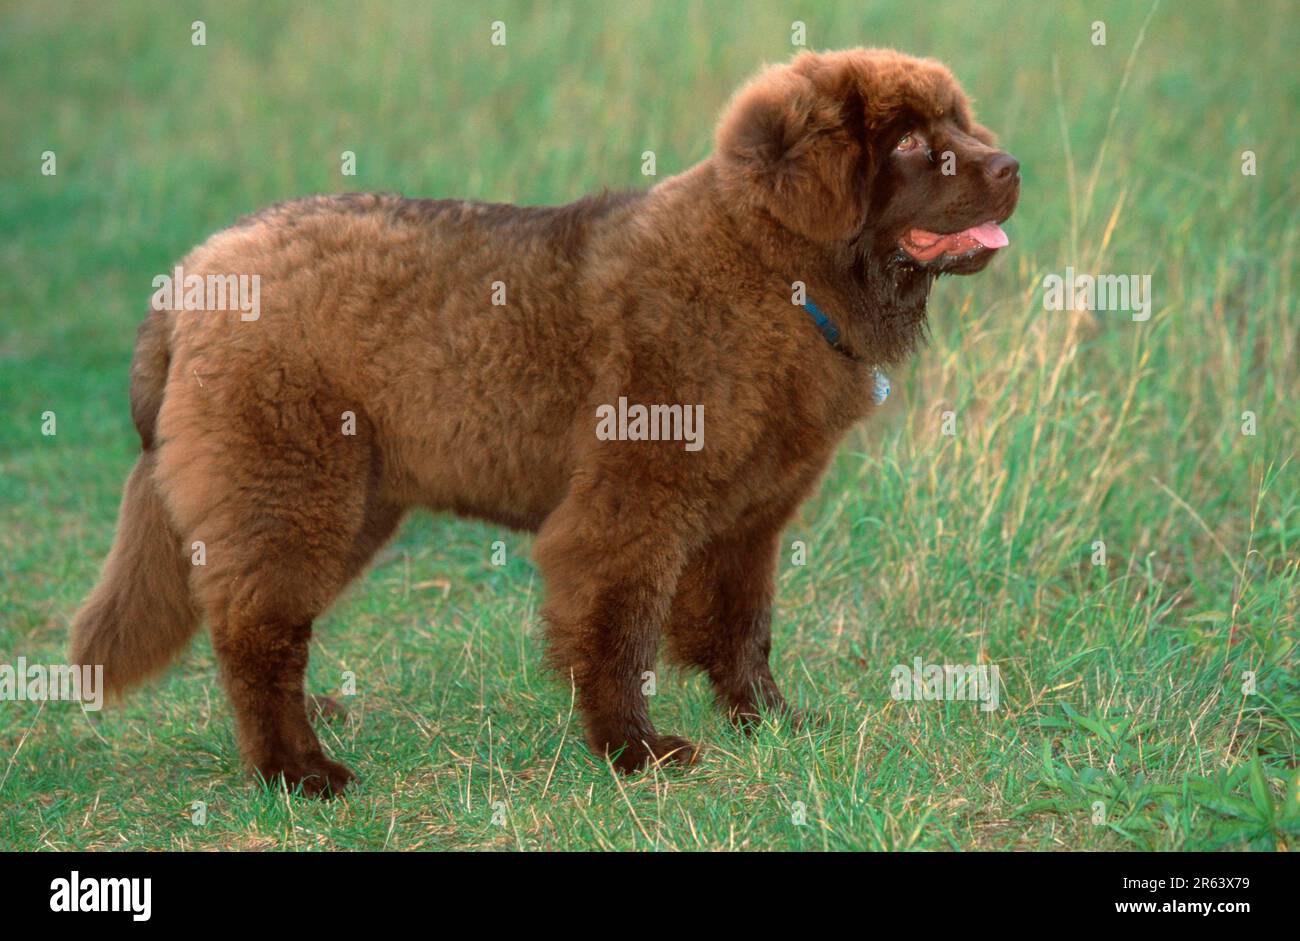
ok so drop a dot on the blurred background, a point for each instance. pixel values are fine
(1122, 677)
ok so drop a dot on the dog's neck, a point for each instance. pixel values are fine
(881, 309)
(877, 305)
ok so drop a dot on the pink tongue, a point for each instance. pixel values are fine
(990, 235)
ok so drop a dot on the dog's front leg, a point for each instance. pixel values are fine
(611, 569)
(721, 618)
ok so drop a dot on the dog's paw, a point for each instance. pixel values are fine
(658, 750)
(313, 776)
(748, 716)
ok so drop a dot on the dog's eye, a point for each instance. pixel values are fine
(907, 142)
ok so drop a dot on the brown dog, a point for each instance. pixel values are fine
(533, 366)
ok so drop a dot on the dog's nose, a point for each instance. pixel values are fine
(1002, 166)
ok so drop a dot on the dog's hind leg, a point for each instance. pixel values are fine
(282, 509)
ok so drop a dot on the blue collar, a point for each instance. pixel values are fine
(824, 323)
(880, 382)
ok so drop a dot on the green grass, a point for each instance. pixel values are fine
(1122, 682)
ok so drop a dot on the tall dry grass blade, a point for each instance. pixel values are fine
(1114, 113)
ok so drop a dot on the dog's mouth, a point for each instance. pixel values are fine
(927, 247)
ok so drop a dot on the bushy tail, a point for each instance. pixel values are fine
(141, 614)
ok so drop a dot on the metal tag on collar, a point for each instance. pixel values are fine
(879, 387)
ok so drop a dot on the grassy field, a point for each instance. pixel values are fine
(1122, 682)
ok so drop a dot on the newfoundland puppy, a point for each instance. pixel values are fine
(651, 381)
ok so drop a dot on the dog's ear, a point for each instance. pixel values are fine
(785, 145)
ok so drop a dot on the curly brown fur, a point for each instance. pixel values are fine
(381, 307)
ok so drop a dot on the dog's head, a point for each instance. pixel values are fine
(872, 150)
